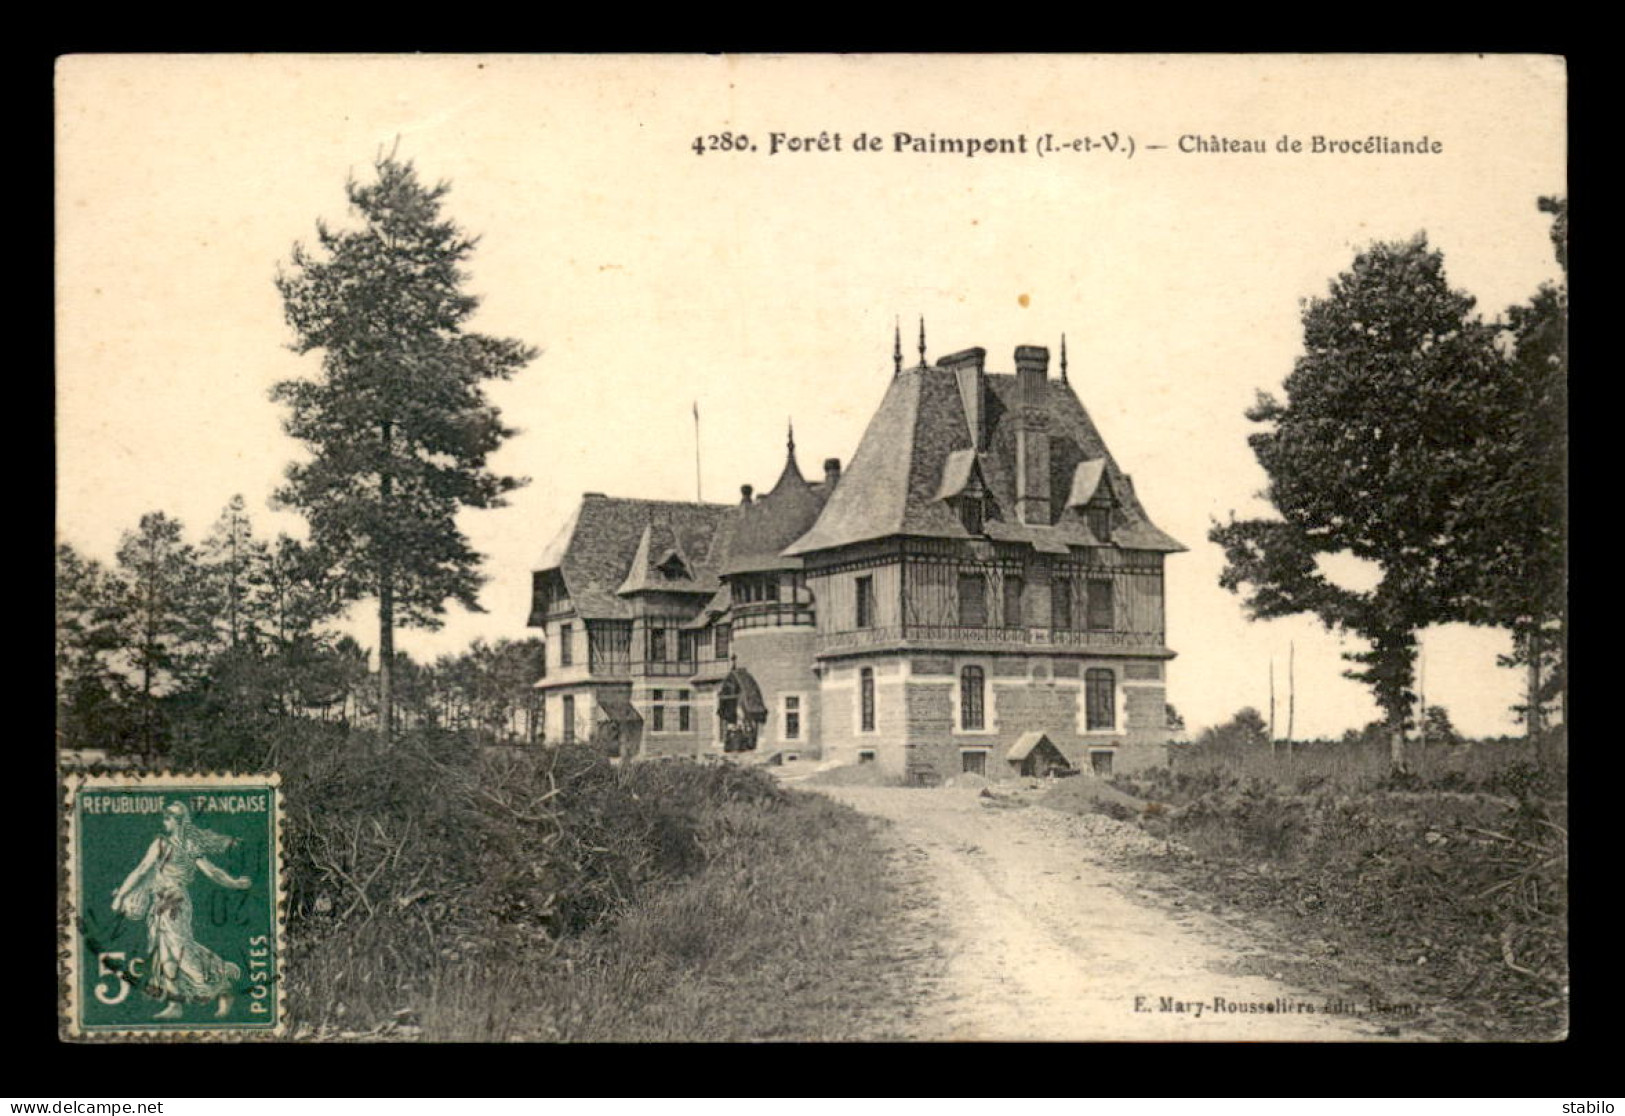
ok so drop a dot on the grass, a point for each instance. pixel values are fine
(1493, 766)
(1445, 887)
(775, 939)
(442, 892)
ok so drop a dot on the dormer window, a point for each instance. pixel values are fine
(1098, 513)
(673, 569)
(965, 491)
(973, 513)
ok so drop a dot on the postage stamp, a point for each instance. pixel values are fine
(173, 916)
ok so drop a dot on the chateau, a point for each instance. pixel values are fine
(980, 590)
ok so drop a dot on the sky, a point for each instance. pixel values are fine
(763, 287)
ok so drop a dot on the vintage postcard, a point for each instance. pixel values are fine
(173, 906)
(808, 548)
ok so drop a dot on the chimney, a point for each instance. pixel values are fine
(1032, 368)
(967, 367)
(1032, 437)
(744, 493)
(832, 473)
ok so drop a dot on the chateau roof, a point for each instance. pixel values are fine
(764, 527)
(611, 545)
(611, 548)
(918, 447)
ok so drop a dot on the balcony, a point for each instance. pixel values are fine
(931, 637)
(771, 614)
(677, 668)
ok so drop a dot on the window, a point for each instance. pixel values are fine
(1060, 601)
(973, 762)
(1100, 699)
(1100, 520)
(657, 645)
(688, 646)
(1102, 616)
(866, 687)
(972, 514)
(792, 717)
(569, 720)
(609, 645)
(719, 637)
(972, 601)
(1014, 587)
(866, 756)
(866, 602)
(566, 653)
(971, 695)
(1101, 763)
(661, 702)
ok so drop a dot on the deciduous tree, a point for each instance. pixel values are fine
(1381, 436)
(1521, 510)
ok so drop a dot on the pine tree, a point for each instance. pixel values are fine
(398, 424)
(164, 615)
(233, 563)
(87, 613)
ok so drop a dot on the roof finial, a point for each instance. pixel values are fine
(1063, 358)
(897, 348)
(792, 439)
(922, 340)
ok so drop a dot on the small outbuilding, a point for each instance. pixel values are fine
(1035, 754)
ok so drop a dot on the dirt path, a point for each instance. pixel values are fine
(1041, 935)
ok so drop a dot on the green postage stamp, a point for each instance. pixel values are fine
(173, 912)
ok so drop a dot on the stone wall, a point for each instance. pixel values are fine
(919, 709)
(781, 661)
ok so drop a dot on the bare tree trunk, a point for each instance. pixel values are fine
(386, 662)
(1532, 714)
(386, 619)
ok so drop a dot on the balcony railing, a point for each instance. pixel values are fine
(949, 637)
(772, 614)
(680, 668)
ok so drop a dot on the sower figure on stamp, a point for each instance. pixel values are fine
(183, 969)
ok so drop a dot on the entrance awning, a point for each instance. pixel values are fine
(619, 711)
(739, 694)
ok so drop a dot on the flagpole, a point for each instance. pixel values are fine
(1291, 691)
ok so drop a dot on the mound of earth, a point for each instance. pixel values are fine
(854, 775)
(1083, 795)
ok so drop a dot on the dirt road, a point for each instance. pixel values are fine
(1041, 932)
